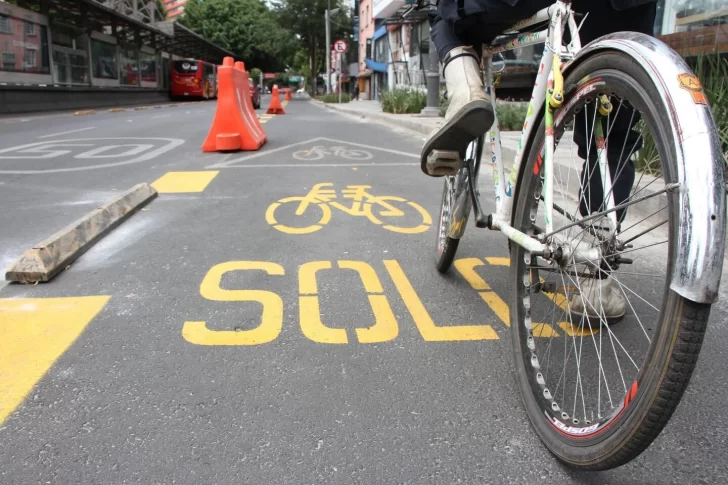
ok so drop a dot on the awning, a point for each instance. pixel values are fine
(381, 31)
(166, 36)
(187, 43)
(375, 66)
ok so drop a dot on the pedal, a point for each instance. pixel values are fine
(441, 162)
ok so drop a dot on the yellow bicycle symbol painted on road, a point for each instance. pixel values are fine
(382, 210)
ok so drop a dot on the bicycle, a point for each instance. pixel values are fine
(318, 152)
(376, 208)
(586, 238)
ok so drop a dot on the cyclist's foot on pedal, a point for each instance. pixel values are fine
(469, 115)
(602, 298)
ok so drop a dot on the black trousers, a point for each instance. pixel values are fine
(474, 22)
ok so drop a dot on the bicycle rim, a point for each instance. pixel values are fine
(590, 379)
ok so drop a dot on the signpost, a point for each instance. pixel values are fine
(340, 46)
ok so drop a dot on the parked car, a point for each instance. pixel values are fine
(254, 94)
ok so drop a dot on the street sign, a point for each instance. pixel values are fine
(340, 46)
(269, 75)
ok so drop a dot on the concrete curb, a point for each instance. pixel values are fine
(48, 258)
(404, 121)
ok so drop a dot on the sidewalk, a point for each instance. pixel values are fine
(373, 111)
(566, 160)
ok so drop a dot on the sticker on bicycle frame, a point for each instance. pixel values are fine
(691, 83)
(392, 213)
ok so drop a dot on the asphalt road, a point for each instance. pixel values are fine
(168, 373)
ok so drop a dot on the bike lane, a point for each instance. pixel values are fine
(287, 325)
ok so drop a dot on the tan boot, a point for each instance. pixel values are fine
(469, 115)
(602, 298)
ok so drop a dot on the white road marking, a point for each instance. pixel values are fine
(36, 148)
(310, 165)
(67, 132)
(268, 152)
(160, 116)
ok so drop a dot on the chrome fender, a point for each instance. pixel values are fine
(697, 271)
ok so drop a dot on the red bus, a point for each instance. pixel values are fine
(193, 78)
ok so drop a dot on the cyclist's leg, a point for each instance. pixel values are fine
(458, 30)
(604, 19)
(622, 141)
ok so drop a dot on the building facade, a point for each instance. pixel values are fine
(125, 53)
(174, 8)
(394, 44)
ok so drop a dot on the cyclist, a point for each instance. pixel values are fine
(460, 27)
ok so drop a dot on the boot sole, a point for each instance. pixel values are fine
(582, 320)
(472, 121)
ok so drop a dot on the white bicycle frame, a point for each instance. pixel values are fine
(549, 75)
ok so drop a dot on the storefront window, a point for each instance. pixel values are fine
(103, 59)
(70, 65)
(693, 27)
(129, 66)
(148, 64)
(24, 46)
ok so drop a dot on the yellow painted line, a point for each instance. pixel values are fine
(116, 110)
(34, 332)
(427, 327)
(498, 306)
(271, 321)
(576, 330)
(499, 261)
(184, 182)
(385, 326)
(466, 267)
(85, 112)
(139, 108)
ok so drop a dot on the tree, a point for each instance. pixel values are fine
(246, 27)
(306, 19)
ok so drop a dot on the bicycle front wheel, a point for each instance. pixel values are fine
(604, 349)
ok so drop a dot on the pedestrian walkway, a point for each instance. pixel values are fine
(373, 110)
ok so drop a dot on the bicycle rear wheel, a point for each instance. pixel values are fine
(599, 392)
(455, 209)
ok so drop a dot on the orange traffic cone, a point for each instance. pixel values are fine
(288, 94)
(275, 107)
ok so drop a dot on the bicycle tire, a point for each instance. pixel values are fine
(455, 205)
(674, 349)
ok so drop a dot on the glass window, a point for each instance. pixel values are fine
(186, 67)
(692, 27)
(6, 25)
(148, 64)
(129, 65)
(103, 59)
(25, 49)
(70, 65)
(8, 61)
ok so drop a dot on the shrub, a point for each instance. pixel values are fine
(712, 70)
(511, 115)
(334, 98)
(403, 100)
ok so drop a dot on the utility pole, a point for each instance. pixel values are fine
(328, 47)
(433, 84)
